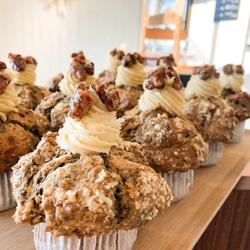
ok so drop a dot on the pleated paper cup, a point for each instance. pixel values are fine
(180, 183)
(120, 241)
(214, 154)
(239, 132)
(6, 196)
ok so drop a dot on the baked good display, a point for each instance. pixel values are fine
(20, 132)
(22, 71)
(128, 81)
(170, 142)
(165, 61)
(232, 81)
(85, 181)
(211, 114)
(56, 106)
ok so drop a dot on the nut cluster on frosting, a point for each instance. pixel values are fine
(18, 63)
(83, 99)
(79, 68)
(231, 68)
(4, 81)
(168, 60)
(2, 65)
(206, 72)
(119, 54)
(156, 78)
(131, 59)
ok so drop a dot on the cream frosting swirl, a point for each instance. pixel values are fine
(203, 88)
(132, 76)
(233, 81)
(113, 63)
(68, 84)
(97, 131)
(8, 102)
(28, 76)
(168, 98)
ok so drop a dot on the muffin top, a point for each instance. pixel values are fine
(88, 187)
(204, 83)
(232, 77)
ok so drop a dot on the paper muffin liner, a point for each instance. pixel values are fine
(179, 182)
(239, 132)
(214, 154)
(6, 196)
(120, 241)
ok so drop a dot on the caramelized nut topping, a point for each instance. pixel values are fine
(53, 82)
(118, 53)
(228, 69)
(18, 62)
(111, 99)
(169, 60)
(130, 59)
(81, 101)
(206, 72)
(80, 70)
(156, 78)
(80, 55)
(2, 65)
(4, 82)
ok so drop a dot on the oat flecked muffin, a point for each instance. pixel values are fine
(213, 117)
(22, 72)
(127, 80)
(56, 106)
(20, 132)
(170, 142)
(84, 180)
(232, 80)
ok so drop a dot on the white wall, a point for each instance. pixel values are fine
(30, 27)
(223, 42)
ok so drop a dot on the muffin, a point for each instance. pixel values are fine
(170, 142)
(20, 132)
(85, 181)
(211, 114)
(232, 80)
(56, 106)
(165, 61)
(128, 82)
(22, 71)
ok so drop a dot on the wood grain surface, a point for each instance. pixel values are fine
(180, 226)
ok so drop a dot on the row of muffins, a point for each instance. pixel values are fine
(169, 140)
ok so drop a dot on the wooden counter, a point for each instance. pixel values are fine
(180, 226)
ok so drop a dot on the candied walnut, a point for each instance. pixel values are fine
(228, 69)
(30, 60)
(156, 78)
(81, 101)
(80, 55)
(118, 53)
(2, 65)
(206, 72)
(80, 70)
(111, 99)
(130, 59)
(239, 69)
(168, 60)
(17, 62)
(53, 83)
(4, 82)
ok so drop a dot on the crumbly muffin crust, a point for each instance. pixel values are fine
(240, 102)
(19, 135)
(87, 195)
(30, 96)
(55, 108)
(170, 144)
(213, 118)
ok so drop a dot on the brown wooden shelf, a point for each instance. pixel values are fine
(180, 226)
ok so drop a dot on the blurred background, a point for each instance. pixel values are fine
(196, 31)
